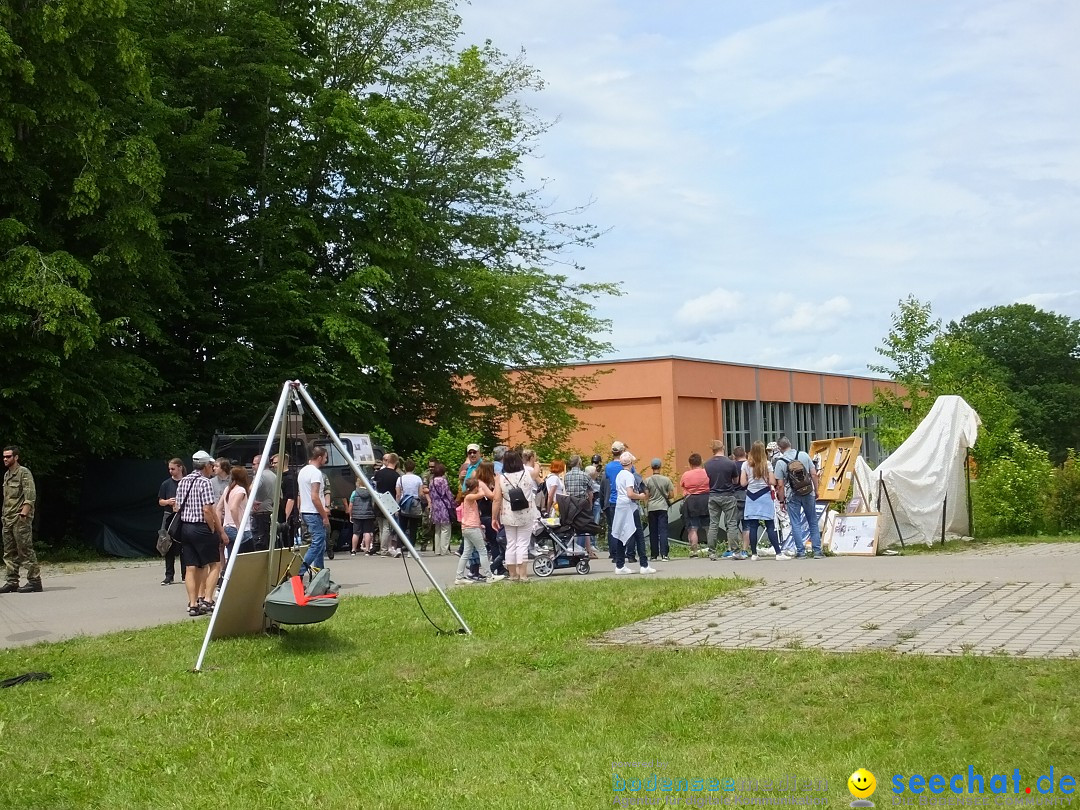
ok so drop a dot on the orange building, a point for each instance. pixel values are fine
(663, 404)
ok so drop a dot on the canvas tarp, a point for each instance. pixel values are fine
(925, 474)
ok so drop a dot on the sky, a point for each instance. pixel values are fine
(775, 176)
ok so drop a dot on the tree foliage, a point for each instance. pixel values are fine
(1039, 353)
(202, 199)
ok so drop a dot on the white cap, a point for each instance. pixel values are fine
(202, 458)
(617, 447)
(627, 458)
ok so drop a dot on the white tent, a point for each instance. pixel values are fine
(924, 478)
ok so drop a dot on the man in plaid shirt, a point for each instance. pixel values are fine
(579, 486)
(201, 535)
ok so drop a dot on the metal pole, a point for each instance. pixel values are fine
(944, 509)
(377, 501)
(283, 403)
(892, 511)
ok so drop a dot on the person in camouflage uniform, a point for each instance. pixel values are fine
(18, 518)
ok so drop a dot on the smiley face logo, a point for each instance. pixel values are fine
(862, 784)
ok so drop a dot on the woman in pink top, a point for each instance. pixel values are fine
(695, 509)
(472, 531)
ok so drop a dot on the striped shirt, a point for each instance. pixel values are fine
(201, 494)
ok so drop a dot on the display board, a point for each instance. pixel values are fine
(854, 534)
(835, 460)
(241, 611)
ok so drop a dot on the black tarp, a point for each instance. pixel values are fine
(118, 509)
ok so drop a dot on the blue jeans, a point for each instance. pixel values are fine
(796, 506)
(314, 556)
(658, 539)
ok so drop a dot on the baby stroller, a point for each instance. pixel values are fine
(567, 546)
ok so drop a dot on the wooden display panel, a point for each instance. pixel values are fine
(835, 460)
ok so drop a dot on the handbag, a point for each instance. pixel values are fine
(173, 529)
(164, 539)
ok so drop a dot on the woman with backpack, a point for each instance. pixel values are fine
(759, 481)
(515, 511)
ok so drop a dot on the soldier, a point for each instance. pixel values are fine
(19, 499)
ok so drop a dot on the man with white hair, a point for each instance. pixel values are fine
(201, 532)
(626, 533)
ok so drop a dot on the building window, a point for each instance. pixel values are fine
(834, 421)
(772, 421)
(805, 429)
(736, 424)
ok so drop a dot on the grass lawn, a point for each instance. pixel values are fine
(373, 710)
(957, 546)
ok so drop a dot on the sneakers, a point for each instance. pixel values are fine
(727, 555)
(740, 555)
(782, 557)
(464, 581)
(166, 581)
(753, 558)
(496, 578)
(663, 558)
(818, 555)
(623, 570)
(712, 556)
(648, 570)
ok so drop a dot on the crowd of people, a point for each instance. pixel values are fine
(498, 504)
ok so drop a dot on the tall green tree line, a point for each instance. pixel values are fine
(200, 199)
(1018, 367)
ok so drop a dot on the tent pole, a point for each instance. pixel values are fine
(302, 390)
(896, 523)
(944, 509)
(967, 477)
(283, 403)
(277, 545)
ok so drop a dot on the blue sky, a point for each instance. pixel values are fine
(777, 175)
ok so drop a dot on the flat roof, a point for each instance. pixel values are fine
(725, 363)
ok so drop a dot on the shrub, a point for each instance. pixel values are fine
(1011, 497)
(1063, 509)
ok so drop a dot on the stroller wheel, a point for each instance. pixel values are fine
(543, 566)
(583, 566)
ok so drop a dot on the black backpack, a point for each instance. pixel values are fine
(798, 477)
(516, 496)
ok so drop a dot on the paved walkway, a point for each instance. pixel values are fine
(911, 599)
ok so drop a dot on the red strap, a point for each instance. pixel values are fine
(301, 597)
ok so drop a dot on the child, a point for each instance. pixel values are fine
(362, 512)
(472, 534)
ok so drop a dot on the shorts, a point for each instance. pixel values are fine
(199, 546)
(362, 526)
(697, 521)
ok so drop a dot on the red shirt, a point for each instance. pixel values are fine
(694, 481)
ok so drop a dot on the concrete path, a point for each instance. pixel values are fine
(93, 600)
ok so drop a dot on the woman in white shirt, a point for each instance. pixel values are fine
(626, 527)
(408, 498)
(517, 522)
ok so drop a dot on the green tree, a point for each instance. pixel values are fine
(928, 364)
(1039, 352)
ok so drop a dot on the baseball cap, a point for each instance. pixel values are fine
(656, 464)
(627, 458)
(771, 446)
(617, 447)
(475, 447)
(201, 458)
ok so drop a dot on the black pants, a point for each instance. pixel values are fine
(624, 554)
(260, 531)
(170, 561)
(630, 551)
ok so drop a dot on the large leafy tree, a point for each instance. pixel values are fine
(929, 363)
(203, 198)
(1039, 353)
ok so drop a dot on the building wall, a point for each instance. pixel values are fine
(659, 405)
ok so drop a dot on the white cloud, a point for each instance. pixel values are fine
(711, 310)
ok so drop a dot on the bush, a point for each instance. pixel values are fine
(1063, 509)
(1011, 497)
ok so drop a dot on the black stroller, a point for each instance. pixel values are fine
(567, 548)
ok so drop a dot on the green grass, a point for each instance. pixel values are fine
(957, 546)
(373, 710)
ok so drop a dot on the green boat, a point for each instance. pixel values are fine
(292, 603)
